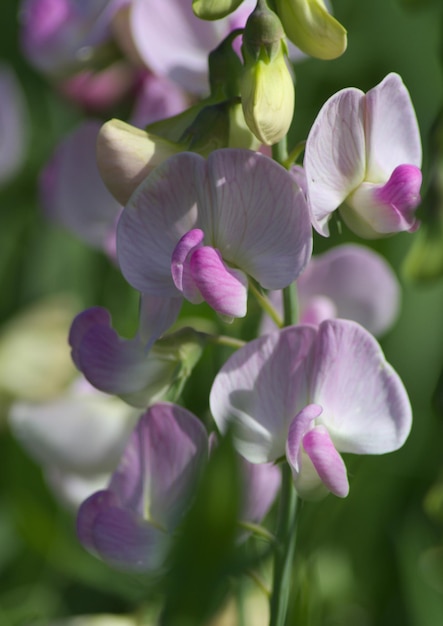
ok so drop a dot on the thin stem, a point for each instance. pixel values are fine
(285, 551)
(294, 154)
(290, 305)
(224, 340)
(257, 530)
(259, 582)
(266, 305)
(280, 151)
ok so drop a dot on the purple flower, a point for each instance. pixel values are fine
(350, 282)
(308, 394)
(73, 193)
(174, 43)
(197, 229)
(134, 369)
(58, 34)
(130, 523)
(363, 154)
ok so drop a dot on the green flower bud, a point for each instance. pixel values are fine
(214, 9)
(311, 28)
(268, 97)
(267, 89)
(126, 155)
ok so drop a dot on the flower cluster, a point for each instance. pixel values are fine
(199, 217)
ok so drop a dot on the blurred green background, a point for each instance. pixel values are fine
(374, 559)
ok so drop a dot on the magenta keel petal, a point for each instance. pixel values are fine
(402, 192)
(326, 460)
(224, 289)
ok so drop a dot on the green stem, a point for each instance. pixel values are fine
(290, 305)
(266, 305)
(294, 154)
(224, 340)
(257, 530)
(280, 151)
(285, 551)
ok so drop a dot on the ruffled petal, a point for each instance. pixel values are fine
(161, 464)
(391, 128)
(118, 536)
(365, 405)
(257, 217)
(261, 483)
(123, 367)
(335, 155)
(260, 389)
(161, 210)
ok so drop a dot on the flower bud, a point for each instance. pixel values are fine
(267, 89)
(126, 155)
(214, 9)
(311, 28)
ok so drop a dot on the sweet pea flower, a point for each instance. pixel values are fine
(363, 154)
(57, 35)
(308, 394)
(130, 523)
(72, 191)
(78, 437)
(349, 281)
(172, 41)
(197, 229)
(138, 370)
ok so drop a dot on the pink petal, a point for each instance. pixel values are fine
(357, 281)
(73, 193)
(161, 464)
(391, 129)
(326, 460)
(161, 210)
(260, 389)
(258, 218)
(299, 426)
(365, 405)
(261, 483)
(181, 55)
(335, 155)
(180, 265)
(224, 289)
(157, 315)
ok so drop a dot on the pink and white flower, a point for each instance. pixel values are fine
(197, 229)
(349, 281)
(363, 155)
(309, 394)
(130, 523)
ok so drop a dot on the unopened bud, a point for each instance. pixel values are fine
(126, 155)
(214, 9)
(311, 28)
(267, 89)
